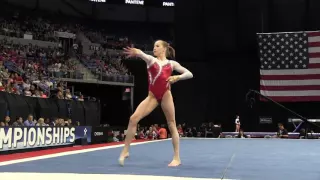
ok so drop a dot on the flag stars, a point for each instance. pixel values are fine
(283, 51)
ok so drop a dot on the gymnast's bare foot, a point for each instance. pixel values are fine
(175, 162)
(122, 157)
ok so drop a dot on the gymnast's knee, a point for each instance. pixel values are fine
(134, 119)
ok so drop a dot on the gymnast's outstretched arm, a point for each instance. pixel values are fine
(184, 72)
(134, 52)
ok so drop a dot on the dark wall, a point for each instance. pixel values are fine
(87, 113)
(220, 38)
(112, 109)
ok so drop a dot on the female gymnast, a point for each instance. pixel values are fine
(237, 122)
(160, 80)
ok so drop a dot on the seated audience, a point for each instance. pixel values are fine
(163, 134)
(18, 122)
(30, 121)
(282, 132)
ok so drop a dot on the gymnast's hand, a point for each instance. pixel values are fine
(131, 52)
(173, 79)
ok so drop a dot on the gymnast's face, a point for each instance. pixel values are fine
(158, 49)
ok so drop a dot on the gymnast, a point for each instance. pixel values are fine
(160, 80)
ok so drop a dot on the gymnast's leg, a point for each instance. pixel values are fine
(167, 106)
(144, 108)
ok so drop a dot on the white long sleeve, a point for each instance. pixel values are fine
(147, 58)
(184, 72)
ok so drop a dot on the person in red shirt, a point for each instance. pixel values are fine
(141, 134)
(163, 134)
(180, 130)
(18, 79)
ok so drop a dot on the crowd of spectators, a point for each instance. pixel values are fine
(29, 70)
(31, 121)
(52, 61)
(34, 70)
(18, 22)
(155, 132)
(107, 66)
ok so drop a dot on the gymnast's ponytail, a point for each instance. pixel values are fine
(171, 53)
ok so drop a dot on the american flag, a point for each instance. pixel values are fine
(290, 66)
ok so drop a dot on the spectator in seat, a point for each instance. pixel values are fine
(18, 122)
(180, 130)
(41, 122)
(188, 132)
(282, 132)
(43, 95)
(36, 94)
(6, 121)
(120, 137)
(56, 122)
(27, 92)
(26, 84)
(151, 134)
(81, 98)
(47, 121)
(115, 139)
(141, 134)
(18, 79)
(62, 122)
(60, 95)
(155, 131)
(69, 122)
(163, 134)
(29, 121)
(68, 94)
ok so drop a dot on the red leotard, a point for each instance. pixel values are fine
(158, 75)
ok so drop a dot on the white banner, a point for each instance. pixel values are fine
(136, 2)
(64, 35)
(13, 138)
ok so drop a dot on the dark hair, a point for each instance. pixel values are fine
(170, 53)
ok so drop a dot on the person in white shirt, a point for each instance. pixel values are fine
(237, 122)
